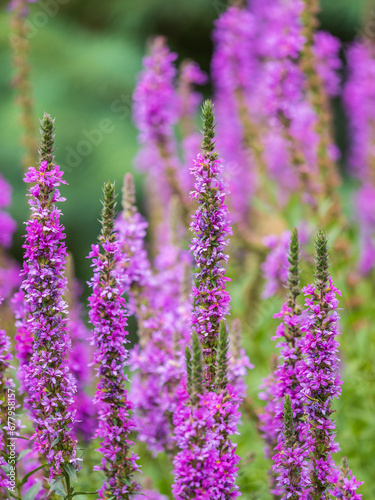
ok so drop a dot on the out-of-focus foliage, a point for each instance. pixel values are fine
(85, 57)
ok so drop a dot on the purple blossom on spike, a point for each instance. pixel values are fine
(284, 392)
(156, 112)
(9, 269)
(320, 379)
(234, 67)
(344, 483)
(108, 316)
(359, 99)
(211, 230)
(78, 360)
(47, 377)
(207, 414)
(206, 468)
(327, 52)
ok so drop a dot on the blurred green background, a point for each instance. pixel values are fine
(85, 57)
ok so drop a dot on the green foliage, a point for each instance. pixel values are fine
(196, 369)
(108, 212)
(222, 358)
(47, 146)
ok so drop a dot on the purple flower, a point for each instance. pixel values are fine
(359, 99)
(211, 230)
(233, 67)
(49, 384)
(344, 484)
(275, 267)
(206, 466)
(78, 360)
(320, 379)
(156, 111)
(327, 52)
(108, 316)
(163, 312)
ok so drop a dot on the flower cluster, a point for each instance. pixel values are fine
(345, 483)
(108, 316)
(50, 386)
(211, 229)
(359, 99)
(320, 380)
(9, 270)
(206, 468)
(156, 111)
(78, 360)
(207, 414)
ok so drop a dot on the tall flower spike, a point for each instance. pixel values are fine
(211, 229)
(79, 359)
(47, 147)
(206, 465)
(108, 316)
(189, 371)
(156, 112)
(359, 100)
(320, 378)
(290, 462)
(285, 381)
(48, 381)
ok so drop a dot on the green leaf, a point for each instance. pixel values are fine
(22, 454)
(55, 441)
(57, 486)
(71, 471)
(6, 469)
(25, 478)
(32, 492)
(84, 493)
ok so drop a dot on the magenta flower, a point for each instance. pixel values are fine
(211, 230)
(359, 99)
(78, 360)
(156, 112)
(206, 468)
(49, 384)
(320, 379)
(234, 66)
(108, 316)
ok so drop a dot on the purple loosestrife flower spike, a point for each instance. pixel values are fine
(345, 483)
(211, 229)
(320, 379)
(108, 316)
(206, 465)
(290, 463)
(50, 386)
(79, 359)
(285, 379)
(359, 100)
